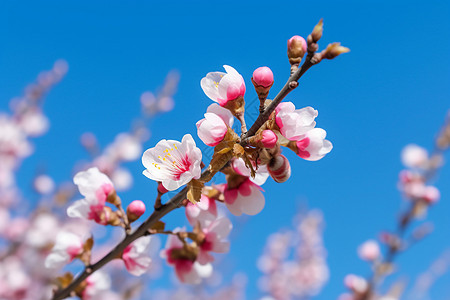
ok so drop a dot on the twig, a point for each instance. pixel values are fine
(177, 200)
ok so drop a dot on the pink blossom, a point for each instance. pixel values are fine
(414, 156)
(269, 139)
(173, 163)
(356, 283)
(313, 145)
(97, 284)
(187, 270)
(66, 248)
(247, 198)
(136, 256)
(369, 250)
(205, 211)
(261, 175)
(212, 129)
(294, 123)
(44, 184)
(222, 112)
(431, 194)
(42, 230)
(96, 187)
(223, 87)
(263, 76)
(215, 235)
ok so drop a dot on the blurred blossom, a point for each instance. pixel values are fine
(356, 283)
(287, 260)
(67, 247)
(136, 256)
(44, 184)
(414, 156)
(42, 231)
(97, 284)
(95, 187)
(122, 179)
(369, 250)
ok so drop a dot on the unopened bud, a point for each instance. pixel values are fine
(269, 139)
(135, 210)
(262, 80)
(279, 168)
(316, 34)
(263, 76)
(296, 49)
(333, 50)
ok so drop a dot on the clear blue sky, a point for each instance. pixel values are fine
(391, 89)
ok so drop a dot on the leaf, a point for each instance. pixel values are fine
(194, 190)
(65, 280)
(88, 244)
(158, 226)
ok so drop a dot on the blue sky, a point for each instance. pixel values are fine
(390, 90)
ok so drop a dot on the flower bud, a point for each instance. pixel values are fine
(269, 139)
(296, 49)
(263, 76)
(316, 34)
(279, 168)
(212, 129)
(333, 50)
(135, 210)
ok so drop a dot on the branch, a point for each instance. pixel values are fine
(177, 200)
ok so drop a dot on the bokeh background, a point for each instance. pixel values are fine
(390, 90)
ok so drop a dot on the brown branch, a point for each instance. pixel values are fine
(177, 200)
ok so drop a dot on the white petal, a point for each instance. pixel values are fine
(210, 84)
(252, 204)
(79, 209)
(221, 227)
(224, 113)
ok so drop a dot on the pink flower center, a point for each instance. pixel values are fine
(180, 167)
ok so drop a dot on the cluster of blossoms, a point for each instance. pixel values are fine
(27, 266)
(247, 159)
(413, 180)
(174, 164)
(414, 186)
(295, 256)
(24, 241)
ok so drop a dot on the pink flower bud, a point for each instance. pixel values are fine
(212, 129)
(269, 139)
(279, 168)
(297, 40)
(296, 49)
(137, 207)
(263, 76)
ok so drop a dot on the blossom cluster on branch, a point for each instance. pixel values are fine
(247, 158)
